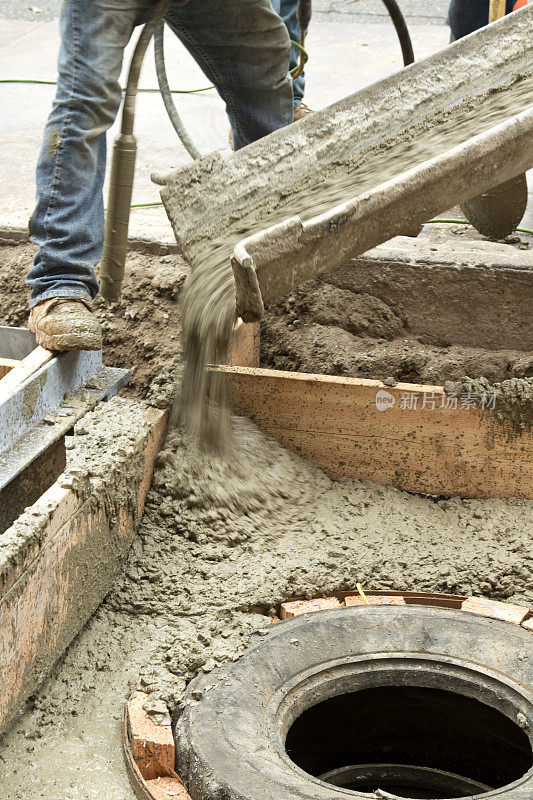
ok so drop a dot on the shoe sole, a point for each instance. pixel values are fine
(62, 343)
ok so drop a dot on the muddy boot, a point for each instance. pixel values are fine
(64, 323)
(301, 111)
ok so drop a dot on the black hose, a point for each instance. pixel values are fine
(122, 171)
(401, 29)
(304, 18)
(161, 72)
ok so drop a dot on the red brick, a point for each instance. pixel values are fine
(296, 607)
(152, 745)
(493, 608)
(374, 600)
(167, 789)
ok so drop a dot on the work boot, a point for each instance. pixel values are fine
(301, 111)
(64, 323)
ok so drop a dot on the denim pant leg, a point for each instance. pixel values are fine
(243, 48)
(287, 10)
(68, 220)
(467, 16)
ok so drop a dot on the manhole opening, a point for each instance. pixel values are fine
(410, 741)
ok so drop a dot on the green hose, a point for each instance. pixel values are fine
(54, 83)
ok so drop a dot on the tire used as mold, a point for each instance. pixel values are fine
(462, 685)
(456, 685)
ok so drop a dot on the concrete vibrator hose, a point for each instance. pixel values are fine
(122, 171)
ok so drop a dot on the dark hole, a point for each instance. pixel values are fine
(413, 742)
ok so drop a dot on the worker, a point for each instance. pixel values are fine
(244, 49)
(467, 16)
(287, 10)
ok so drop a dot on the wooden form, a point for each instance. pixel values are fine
(506, 612)
(244, 349)
(16, 372)
(53, 578)
(42, 395)
(410, 436)
(6, 365)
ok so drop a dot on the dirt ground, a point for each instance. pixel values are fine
(141, 330)
(327, 327)
(319, 328)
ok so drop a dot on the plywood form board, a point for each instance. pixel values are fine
(6, 365)
(417, 442)
(244, 348)
(24, 369)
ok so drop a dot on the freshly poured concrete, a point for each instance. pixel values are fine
(221, 543)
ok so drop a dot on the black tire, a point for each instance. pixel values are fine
(231, 734)
(498, 212)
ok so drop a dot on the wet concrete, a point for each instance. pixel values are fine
(221, 543)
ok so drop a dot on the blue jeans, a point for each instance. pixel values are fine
(467, 16)
(287, 10)
(241, 45)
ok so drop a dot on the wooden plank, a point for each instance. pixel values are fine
(6, 365)
(36, 359)
(59, 504)
(157, 420)
(409, 436)
(57, 577)
(244, 349)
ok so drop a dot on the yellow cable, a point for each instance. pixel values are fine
(361, 592)
(496, 10)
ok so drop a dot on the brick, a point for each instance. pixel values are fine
(152, 745)
(374, 600)
(296, 607)
(493, 608)
(528, 623)
(167, 789)
(274, 620)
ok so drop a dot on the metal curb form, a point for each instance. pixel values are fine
(149, 748)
